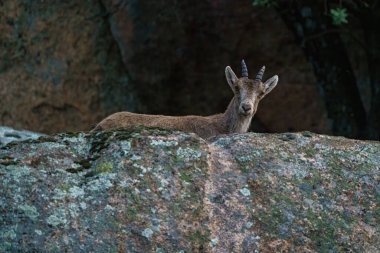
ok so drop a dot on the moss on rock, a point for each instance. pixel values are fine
(151, 189)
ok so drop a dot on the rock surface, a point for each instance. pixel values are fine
(8, 135)
(189, 43)
(151, 190)
(145, 56)
(60, 68)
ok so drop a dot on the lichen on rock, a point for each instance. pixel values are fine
(149, 190)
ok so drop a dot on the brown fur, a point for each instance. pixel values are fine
(233, 120)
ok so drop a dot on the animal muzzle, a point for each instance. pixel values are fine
(246, 108)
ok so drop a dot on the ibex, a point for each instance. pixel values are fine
(236, 119)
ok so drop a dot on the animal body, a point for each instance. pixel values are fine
(236, 119)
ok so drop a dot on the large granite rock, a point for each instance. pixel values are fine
(176, 52)
(65, 65)
(150, 190)
(8, 134)
(60, 68)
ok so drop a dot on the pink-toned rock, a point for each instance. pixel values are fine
(59, 66)
(66, 65)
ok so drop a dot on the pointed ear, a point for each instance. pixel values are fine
(269, 85)
(231, 78)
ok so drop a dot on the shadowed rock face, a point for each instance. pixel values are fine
(147, 190)
(65, 65)
(60, 69)
(176, 52)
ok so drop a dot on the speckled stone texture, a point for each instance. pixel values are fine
(60, 68)
(151, 190)
(8, 135)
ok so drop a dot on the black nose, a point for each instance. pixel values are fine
(246, 107)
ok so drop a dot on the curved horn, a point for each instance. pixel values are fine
(244, 70)
(260, 74)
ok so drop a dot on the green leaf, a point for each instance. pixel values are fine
(339, 16)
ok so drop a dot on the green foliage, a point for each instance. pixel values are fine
(264, 3)
(339, 16)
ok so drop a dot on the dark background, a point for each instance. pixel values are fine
(64, 65)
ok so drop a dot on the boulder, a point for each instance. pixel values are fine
(65, 65)
(60, 68)
(176, 53)
(152, 190)
(8, 135)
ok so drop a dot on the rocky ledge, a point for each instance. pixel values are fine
(8, 135)
(151, 190)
